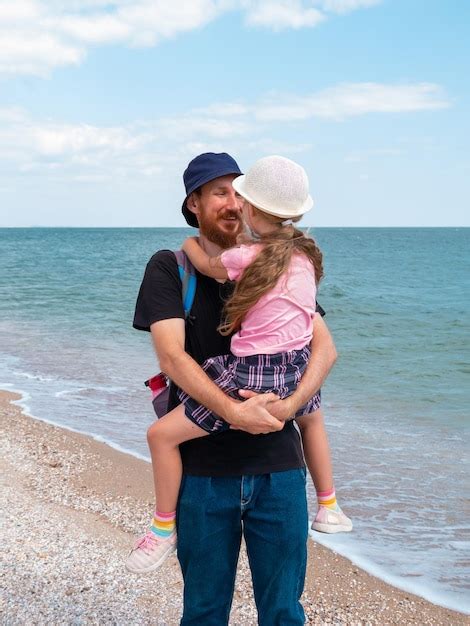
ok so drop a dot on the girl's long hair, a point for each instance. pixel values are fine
(266, 269)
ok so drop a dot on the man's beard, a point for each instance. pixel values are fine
(211, 230)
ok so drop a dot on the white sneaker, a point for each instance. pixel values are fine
(330, 521)
(149, 552)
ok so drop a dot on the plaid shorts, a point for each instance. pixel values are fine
(263, 373)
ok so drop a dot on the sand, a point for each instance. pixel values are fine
(72, 507)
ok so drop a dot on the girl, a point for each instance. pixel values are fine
(271, 313)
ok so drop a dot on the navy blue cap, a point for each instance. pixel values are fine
(201, 170)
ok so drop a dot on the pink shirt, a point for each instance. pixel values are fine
(282, 319)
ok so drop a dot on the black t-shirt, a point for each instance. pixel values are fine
(232, 452)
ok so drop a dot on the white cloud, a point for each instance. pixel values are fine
(86, 29)
(92, 153)
(335, 103)
(281, 14)
(37, 36)
(151, 21)
(12, 114)
(18, 10)
(151, 148)
(181, 128)
(223, 109)
(30, 52)
(36, 146)
(352, 99)
(61, 140)
(346, 6)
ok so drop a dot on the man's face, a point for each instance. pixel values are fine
(218, 210)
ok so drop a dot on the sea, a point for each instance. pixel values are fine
(397, 402)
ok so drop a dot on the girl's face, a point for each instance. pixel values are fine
(256, 222)
(247, 213)
(251, 219)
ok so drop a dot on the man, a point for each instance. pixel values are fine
(249, 480)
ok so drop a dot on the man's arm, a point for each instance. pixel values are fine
(250, 416)
(321, 361)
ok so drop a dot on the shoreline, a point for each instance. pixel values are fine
(57, 479)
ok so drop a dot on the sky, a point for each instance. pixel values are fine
(104, 102)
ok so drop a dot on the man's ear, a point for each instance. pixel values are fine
(193, 203)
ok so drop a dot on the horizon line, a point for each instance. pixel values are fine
(192, 228)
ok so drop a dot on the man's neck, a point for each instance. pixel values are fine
(210, 248)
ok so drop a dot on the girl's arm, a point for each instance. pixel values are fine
(208, 265)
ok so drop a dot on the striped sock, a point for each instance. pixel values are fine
(163, 524)
(328, 499)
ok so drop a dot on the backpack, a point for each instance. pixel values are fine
(159, 384)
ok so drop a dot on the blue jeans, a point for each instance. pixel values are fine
(271, 511)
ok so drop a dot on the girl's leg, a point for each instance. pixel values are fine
(317, 450)
(329, 518)
(164, 437)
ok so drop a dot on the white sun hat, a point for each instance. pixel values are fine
(277, 186)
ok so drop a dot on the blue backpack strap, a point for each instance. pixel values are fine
(187, 274)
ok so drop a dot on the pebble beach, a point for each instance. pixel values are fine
(72, 507)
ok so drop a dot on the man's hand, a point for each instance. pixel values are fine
(251, 416)
(254, 416)
(280, 409)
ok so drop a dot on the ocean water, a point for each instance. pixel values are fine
(397, 403)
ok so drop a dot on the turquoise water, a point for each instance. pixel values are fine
(397, 402)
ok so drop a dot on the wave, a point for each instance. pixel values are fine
(353, 552)
(22, 403)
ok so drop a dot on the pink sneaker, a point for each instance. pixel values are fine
(330, 521)
(150, 552)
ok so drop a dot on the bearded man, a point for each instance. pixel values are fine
(247, 481)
